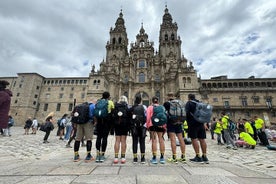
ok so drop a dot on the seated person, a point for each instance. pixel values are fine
(249, 142)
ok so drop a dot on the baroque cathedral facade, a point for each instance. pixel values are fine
(140, 70)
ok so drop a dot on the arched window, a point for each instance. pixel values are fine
(166, 37)
(120, 40)
(172, 36)
(141, 77)
(142, 64)
(113, 41)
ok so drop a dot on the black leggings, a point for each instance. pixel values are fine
(138, 135)
(102, 134)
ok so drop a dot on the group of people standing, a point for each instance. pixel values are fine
(249, 132)
(138, 120)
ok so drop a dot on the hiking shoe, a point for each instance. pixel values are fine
(89, 158)
(172, 160)
(102, 158)
(135, 160)
(76, 158)
(197, 159)
(143, 160)
(98, 158)
(153, 161)
(123, 160)
(162, 161)
(116, 160)
(205, 159)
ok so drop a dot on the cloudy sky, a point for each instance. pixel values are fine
(62, 38)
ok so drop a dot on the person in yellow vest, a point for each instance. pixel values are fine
(217, 131)
(248, 127)
(260, 127)
(246, 137)
(185, 129)
(225, 123)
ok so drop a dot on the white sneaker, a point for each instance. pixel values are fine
(123, 160)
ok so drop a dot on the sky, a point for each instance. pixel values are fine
(64, 38)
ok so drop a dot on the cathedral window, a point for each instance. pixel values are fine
(166, 37)
(157, 94)
(113, 41)
(141, 77)
(157, 78)
(256, 99)
(120, 40)
(142, 64)
(172, 36)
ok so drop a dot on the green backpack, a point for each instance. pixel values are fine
(159, 116)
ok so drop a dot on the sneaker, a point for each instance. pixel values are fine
(76, 158)
(123, 160)
(228, 146)
(196, 159)
(162, 161)
(153, 161)
(135, 160)
(98, 158)
(89, 158)
(102, 158)
(235, 148)
(172, 160)
(61, 138)
(116, 160)
(68, 146)
(205, 159)
(143, 160)
(182, 160)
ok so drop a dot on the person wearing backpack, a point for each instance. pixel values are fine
(121, 128)
(61, 126)
(49, 126)
(156, 124)
(227, 132)
(138, 129)
(82, 115)
(102, 113)
(196, 131)
(174, 129)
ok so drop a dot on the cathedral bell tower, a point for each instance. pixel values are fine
(169, 41)
(116, 47)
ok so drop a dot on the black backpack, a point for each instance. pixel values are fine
(80, 114)
(120, 113)
(138, 116)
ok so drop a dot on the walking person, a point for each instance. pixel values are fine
(196, 131)
(121, 127)
(68, 128)
(7, 131)
(102, 113)
(138, 129)
(5, 102)
(48, 128)
(34, 126)
(156, 133)
(227, 134)
(174, 129)
(28, 125)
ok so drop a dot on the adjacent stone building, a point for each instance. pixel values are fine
(140, 70)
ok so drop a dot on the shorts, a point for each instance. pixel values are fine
(174, 129)
(156, 129)
(85, 130)
(121, 130)
(197, 132)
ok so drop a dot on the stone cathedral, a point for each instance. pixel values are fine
(135, 68)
